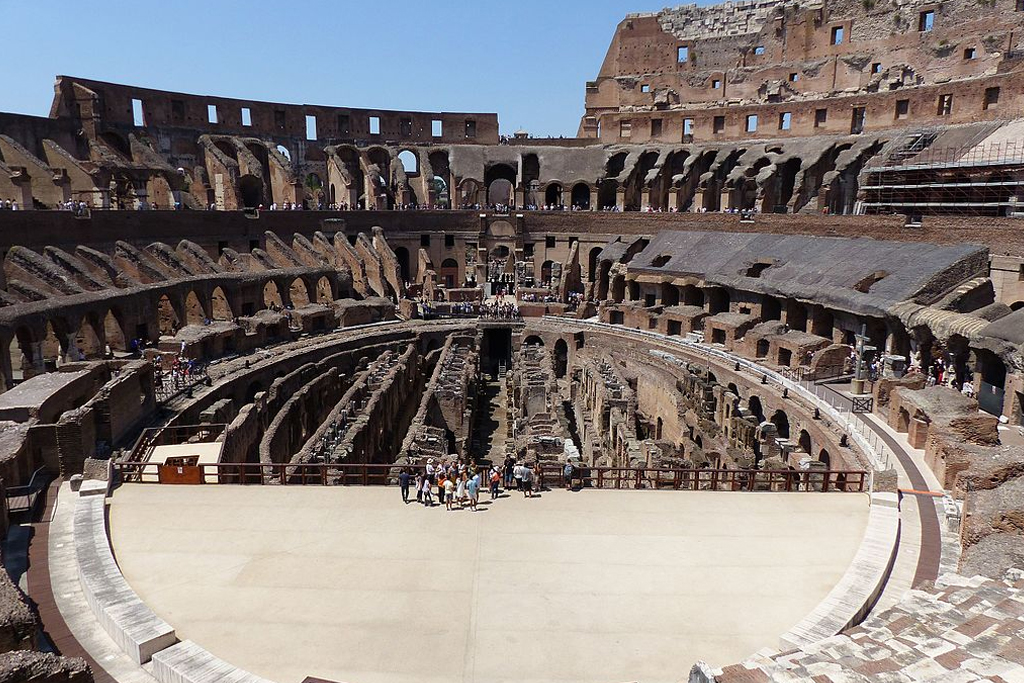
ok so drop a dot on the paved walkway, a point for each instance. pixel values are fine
(346, 584)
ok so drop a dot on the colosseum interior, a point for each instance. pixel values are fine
(742, 362)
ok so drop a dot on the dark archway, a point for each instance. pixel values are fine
(449, 273)
(595, 255)
(533, 340)
(781, 422)
(805, 441)
(250, 189)
(402, 254)
(755, 408)
(561, 358)
(553, 196)
(272, 296)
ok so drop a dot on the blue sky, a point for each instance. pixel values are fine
(527, 60)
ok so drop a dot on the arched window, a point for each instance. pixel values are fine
(410, 163)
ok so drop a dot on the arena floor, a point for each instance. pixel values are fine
(349, 585)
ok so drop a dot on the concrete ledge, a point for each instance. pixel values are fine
(852, 598)
(132, 625)
(186, 662)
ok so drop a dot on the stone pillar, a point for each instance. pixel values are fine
(723, 200)
(38, 361)
(645, 199)
(620, 199)
(73, 354)
(698, 201)
(673, 200)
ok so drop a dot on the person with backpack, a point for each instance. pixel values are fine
(403, 482)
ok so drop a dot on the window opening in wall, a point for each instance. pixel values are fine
(945, 104)
(716, 84)
(794, 77)
(820, 117)
(687, 130)
(424, 240)
(436, 128)
(759, 50)
(718, 124)
(138, 115)
(970, 53)
(625, 129)
(656, 128)
(211, 113)
(528, 249)
(284, 151)
(449, 241)
(991, 97)
(751, 123)
(374, 125)
(860, 115)
(279, 119)
(549, 242)
(785, 120)
(645, 88)
(246, 116)
(926, 20)
(344, 124)
(902, 109)
(876, 68)
(310, 127)
(837, 35)
(683, 54)
(405, 127)
(470, 128)
(177, 111)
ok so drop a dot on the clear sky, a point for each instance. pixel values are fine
(527, 60)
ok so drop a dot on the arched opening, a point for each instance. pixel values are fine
(21, 355)
(283, 151)
(52, 347)
(194, 313)
(272, 296)
(693, 296)
(221, 307)
(250, 189)
(824, 457)
(669, 294)
(402, 255)
(618, 288)
(581, 196)
(592, 261)
(449, 273)
(659, 429)
(545, 274)
(167, 318)
(314, 187)
(113, 332)
(324, 291)
(533, 340)
(718, 300)
(607, 194)
(755, 408)
(410, 162)
(804, 441)
(553, 196)
(298, 293)
(763, 347)
(771, 309)
(561, 358)
(781, 422)
(500, 180)
(823, 323)
(90, 343)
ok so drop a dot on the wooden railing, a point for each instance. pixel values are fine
(360, 474)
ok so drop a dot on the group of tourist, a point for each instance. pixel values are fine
(533, 297)
(456, 485)
(499, 310)
(9, 205)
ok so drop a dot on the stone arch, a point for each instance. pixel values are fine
(168, 320)
(220, 306)
(545, 273)
(533, 340)
(272, 295)
(608, 194)
(402, 255)
(618, 288)
(449, 273)
(804, 441)
(410, 162)
(298, 293)
(250, 191)
(553, 195)
(195, 312)
(500, 180)
(561, 358)
(581, 196)
(113, 330)
(781, 421)
(592, 262)
(91, 341)
(324, 290)
(53, 347)
(22, 353)
(755, 408)
(693, 296)
(823, 456)
(718, 300)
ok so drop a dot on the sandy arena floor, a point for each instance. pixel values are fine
(349, 585)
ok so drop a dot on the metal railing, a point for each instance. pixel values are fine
(23, 498)
(364, 474)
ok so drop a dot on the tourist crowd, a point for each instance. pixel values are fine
(455, 485)
(9, 205)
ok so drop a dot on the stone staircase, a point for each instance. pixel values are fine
(959, 631)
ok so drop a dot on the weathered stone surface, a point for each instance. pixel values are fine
(40, 667)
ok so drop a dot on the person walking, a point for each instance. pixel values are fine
(473, 492)
(460, 490)
(518, 472)
(419, 487)
(510, 465)
(527, 481)
(440, 486)
(567, 474)
(403, 481)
